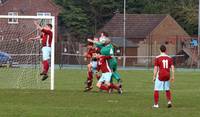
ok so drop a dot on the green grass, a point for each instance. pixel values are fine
(22, 78)
(69, 100)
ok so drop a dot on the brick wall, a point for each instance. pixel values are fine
(30, 7)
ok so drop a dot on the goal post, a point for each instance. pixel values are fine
(10, 30)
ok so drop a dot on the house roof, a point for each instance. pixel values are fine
(119, 42)
(137, 25)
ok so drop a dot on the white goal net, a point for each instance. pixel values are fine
(21, 57)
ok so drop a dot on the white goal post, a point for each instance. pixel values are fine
(52, 18)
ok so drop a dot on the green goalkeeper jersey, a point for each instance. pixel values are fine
(108, 50)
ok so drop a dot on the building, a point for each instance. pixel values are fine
(27, 7)
(147, 32)
(14, 32)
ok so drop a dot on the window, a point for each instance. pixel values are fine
(13, 20)
(44, 22)
(43, 14)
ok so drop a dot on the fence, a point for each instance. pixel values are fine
(183, 49)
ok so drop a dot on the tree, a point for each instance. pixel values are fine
(101, 11)
(85, 17)
(74, 19)
(186, 13)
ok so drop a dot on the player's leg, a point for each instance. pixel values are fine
(115, 74)
(43, 61)
(168, 93)
(46, 52)
(91, 70)
(94, 69)
(107, 78)
(100, 83)
(111, 85)
(97, 74)
(113, 66)
(89, 78)
(115, 86)
(158, 86)
(156, 98)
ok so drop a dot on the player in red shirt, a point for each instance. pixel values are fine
(104, 82)
(46, 47)
(92, 66)
(161, 77)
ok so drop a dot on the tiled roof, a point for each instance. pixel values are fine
(137, 25)
(119, 41)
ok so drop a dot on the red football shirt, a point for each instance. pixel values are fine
(164, 63)
(90, 52)
(46, 37)
(103, 64)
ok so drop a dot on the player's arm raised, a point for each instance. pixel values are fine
(37, 25)
(35, 38)
(92, 41)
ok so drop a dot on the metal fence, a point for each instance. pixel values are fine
(181, 48)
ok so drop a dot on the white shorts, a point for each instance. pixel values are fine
(94, 64)
(105, 77)
(161, 85)
(46, 53)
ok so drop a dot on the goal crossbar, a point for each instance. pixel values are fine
(28, 17)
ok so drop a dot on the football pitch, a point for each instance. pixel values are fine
(69, 100)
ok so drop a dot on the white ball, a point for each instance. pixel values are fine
(102, 39)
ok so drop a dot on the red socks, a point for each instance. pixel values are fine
(45, 66)
(112, 86)
(168, 95)
(103, 87)
(89, 78)
(90, 75)
(156, 97)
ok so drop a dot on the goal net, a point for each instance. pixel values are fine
(21, 57)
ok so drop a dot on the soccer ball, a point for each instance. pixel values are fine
(102, 39)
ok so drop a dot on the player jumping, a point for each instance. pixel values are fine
(46, 47)
(161, 77)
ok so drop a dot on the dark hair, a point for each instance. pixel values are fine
(50, 26)
(90, 44)
(162, 48)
